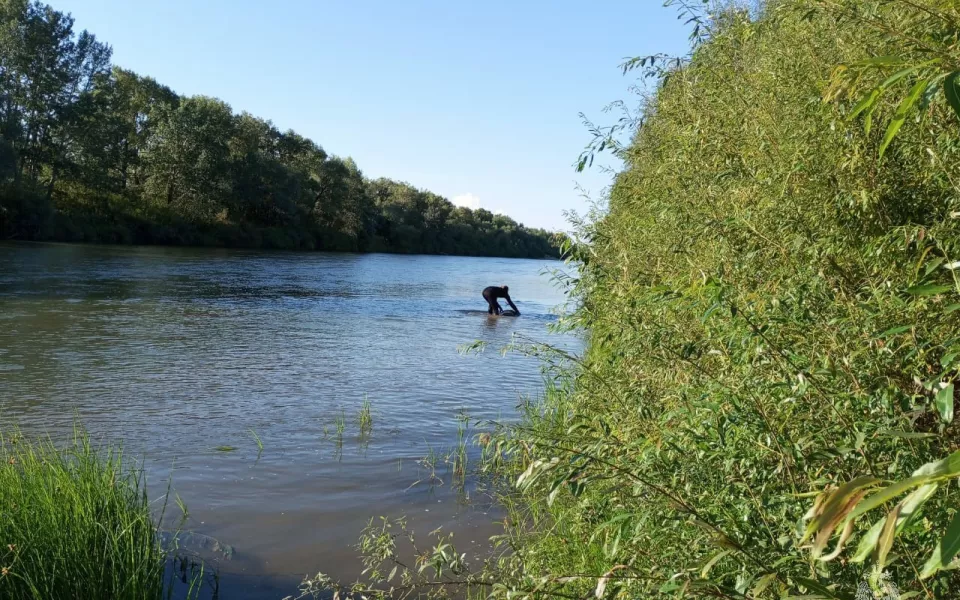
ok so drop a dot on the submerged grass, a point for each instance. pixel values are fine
(259, 442)
(75, 523)
(365, 418)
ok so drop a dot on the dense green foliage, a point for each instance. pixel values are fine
(75, 523)
(766, 408)
(771, 301)
(94, 153)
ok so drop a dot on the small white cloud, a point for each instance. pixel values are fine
(467, 201)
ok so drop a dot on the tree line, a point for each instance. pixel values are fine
(90, 152)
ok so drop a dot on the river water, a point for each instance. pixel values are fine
(181, 353)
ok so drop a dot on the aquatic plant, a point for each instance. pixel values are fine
(341, 425)
(76, 523)
(259, 442)
(365, 417)
(458, 457)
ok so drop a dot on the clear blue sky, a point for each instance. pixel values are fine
(472, 100)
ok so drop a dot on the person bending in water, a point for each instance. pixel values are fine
(491, 294)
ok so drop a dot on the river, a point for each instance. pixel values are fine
(184, 354)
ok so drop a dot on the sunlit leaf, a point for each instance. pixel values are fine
(901, 115)
(944, 552)
(868, 542)
(705, 571)
(929, 289)
(895, 331)
(887, 534)
(880, 61)
(944, 403)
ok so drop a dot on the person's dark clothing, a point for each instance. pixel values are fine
(491, 294)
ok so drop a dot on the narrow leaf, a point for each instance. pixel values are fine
(944, 468)
(880, 61)
(868, 542)
(815, 586)
(866, 102)
(839, 503)
(898, 76)
(706, 568)
(762, 584)
(948, 547)
(951, 89)
(901, 115)
(930, 289)
(895, 331)
(889, 493)
(944, 403)
(889, 531)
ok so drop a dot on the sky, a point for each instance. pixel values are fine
(476, 101)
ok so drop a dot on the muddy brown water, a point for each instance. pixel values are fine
(176, 352)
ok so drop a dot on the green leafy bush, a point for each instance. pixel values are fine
(771, 301)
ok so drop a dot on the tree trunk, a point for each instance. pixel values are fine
(123, 165)
(53, 182)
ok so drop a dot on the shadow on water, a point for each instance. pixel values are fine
(193, 581)
(530, 316)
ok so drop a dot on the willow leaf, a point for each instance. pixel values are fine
(951, 89)
(901, 115)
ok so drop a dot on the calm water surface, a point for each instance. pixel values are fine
(178, 351)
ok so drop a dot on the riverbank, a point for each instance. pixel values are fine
(66, 219)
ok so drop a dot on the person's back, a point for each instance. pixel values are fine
(492, 293)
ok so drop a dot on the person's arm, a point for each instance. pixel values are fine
(512, 305)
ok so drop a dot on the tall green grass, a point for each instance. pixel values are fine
(75, 522)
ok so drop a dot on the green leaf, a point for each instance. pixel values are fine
(901, 115)
(895, 331)
(907, 434)
(944, 403)
(762, 584)
(868, 542)
(951, 89)
(930, 289)
(911, 505)
(888, 493)
(942, 469)
(948, 547)
(898, 76)
(706, 568)
(865, 103)
(952, 308)
(948, 359)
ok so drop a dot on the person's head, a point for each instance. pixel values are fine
(506, 289)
